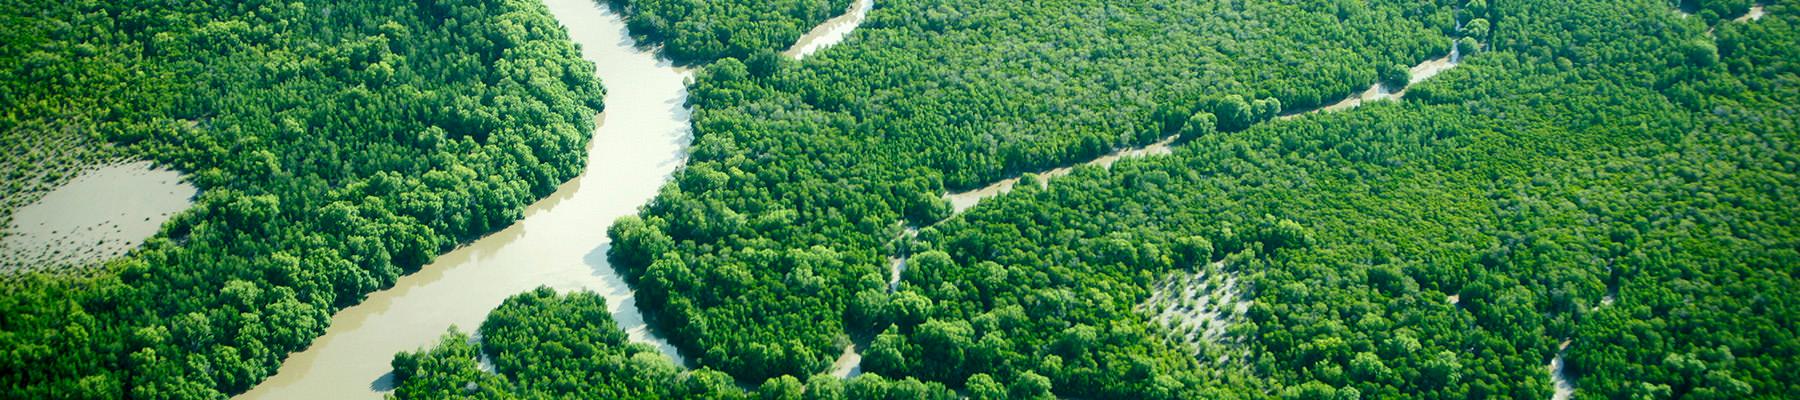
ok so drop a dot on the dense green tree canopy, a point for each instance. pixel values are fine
(1606, 174)
(338, 145)
(802, 173)
(1561, 162)
(702, 30)
(1532, 182)
(546, 345)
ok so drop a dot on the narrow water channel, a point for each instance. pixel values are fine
(832, 31)
(1376, 92)
(1756, 12)
(960, 201)
(561, 242)
(963, 200)
(1561, 387)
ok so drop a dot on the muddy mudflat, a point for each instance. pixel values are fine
(104, 212)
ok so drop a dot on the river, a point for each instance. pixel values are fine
(832, 31)
(561, 242)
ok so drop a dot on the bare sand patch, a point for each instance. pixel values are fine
(1195, 308)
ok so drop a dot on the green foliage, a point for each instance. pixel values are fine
(65, 91)
(1467, 45)
(1713, 11)
(549, 345)
(701, 31)
(1394, 75)
(1599, 172)
(1200, 124)
(338, 145)
(1527, 181)
(450, 370)
(1476, 28)
(813, 168)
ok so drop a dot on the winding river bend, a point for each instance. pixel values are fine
(561, 242)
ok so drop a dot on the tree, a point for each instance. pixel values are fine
(1030, 385)
(1476, 28)
(1367, 367)
(1193, 251)
(1700, 52)
(910, 308)
(1467, 46)
(1200, 124)
(636, 243)
(784, 387)
(1233, 112)
(983, 387)
(764, 63)
(1441, 371)
(1394, 75)
(1264, 109)
(945, 346)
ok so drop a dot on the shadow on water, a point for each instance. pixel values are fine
(384, 383)
(678, 108)
(621, 300)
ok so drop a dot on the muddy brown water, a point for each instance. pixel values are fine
(102, 213)
(561, 242)
(832, 31)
